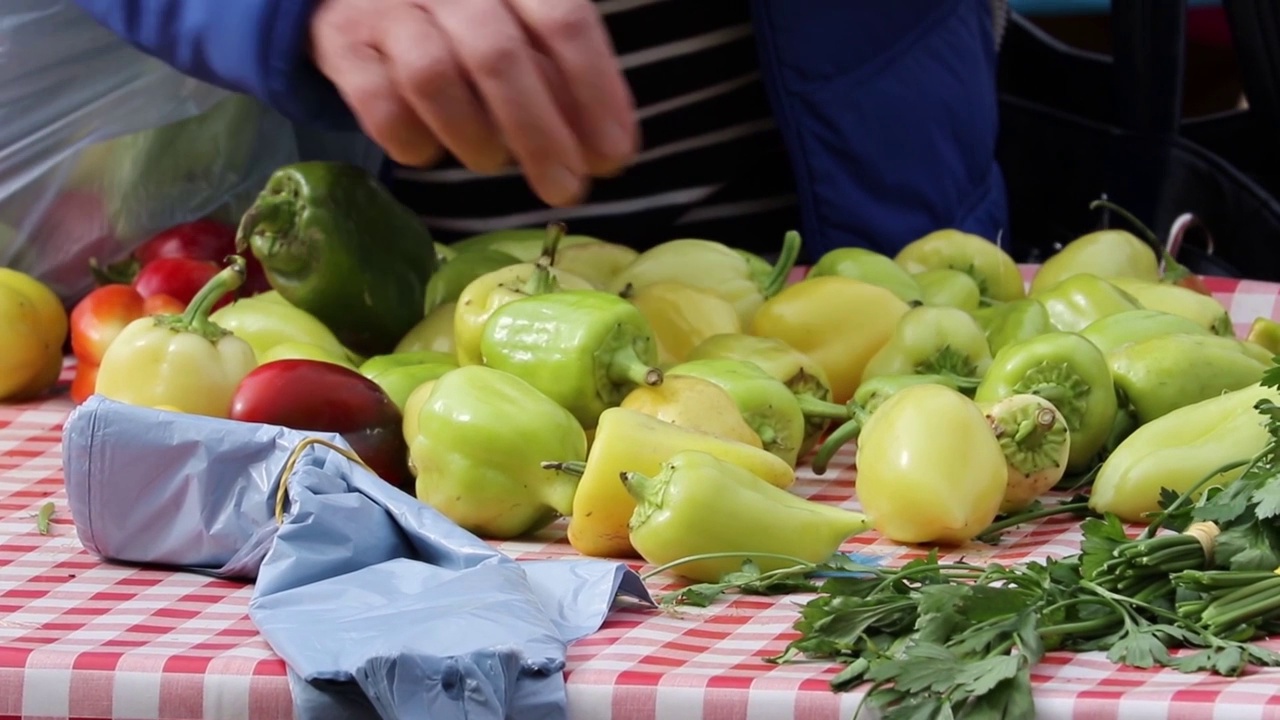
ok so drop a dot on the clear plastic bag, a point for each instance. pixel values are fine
(102, 146)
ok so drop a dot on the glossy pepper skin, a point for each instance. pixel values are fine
(1081, 299)
(1265, 333)
(204, 240)
(933, 341)
(987, 263)
(801, 316)
(1069, 372)
(434, 333)
(182, 361)
(631, 441)
(95, 322)
(1203, 310)
(1012, 322)
(481, 437)
(451, 278)
(944, 287)
(681, 316)
(584, 349)
(324, 397)
(33, 325)
(267, 320)
(596, 262)
(675, 511)
(335, 243)
(1103, 254)
(1167, 372)
(1178, 450)
(400, 374)
(694, 403)
(869, 266)
(1112, 332)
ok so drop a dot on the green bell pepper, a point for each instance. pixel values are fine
(1163, 373)
(1113, 332)
(453, 277)
(1068, 371)
(336, 243)
(266, 320)
(478, 442)
(1081, 299)
(1012, 322)
(949, 288)
(871, 267)
(933, 341)
(585, 349)
(381, 363)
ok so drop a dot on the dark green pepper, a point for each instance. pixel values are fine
(1113, 332)
(1161, 374)
(1012, 322)
(1068, 371)
(334, 242)
(585, 349)
(1081, 299)
(454, 276)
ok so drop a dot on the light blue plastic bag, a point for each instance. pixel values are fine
(379, 605)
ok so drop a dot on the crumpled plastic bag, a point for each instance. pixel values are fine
(379, 605)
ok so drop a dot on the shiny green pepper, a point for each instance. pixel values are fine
(700, 505)
(1201, 309)
(994, 271)
(1103, 254)
(334, 242)
(399, 374)
(1161, 374)
(585, 349)
(1081, 299)
(1012, 322)
(933, 341)
(1068, 371)
(949, 288)
(454, 276)
(304, 351)
(477, 445)
(1112, 332)
(871, 267)
(382, 363)
(267, 320)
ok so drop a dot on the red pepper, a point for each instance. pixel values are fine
(96, 321)
(179, 278)
(324, 397)
(206, 240)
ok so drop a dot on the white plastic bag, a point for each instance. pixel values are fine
(102, 146)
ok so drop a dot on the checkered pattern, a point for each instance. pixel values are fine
(79, 638)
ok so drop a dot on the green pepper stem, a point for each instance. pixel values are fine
(801, 565)
(195, 318)
(1171, 264)
(572, 467)
(551, 245)
(638, 486)
(851, 429)
(782, 269)
(812, 407)
(626, 367)
(272, 215)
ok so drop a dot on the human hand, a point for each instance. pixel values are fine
(491, 81)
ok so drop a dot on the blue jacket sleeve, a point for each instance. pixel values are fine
(254, 47)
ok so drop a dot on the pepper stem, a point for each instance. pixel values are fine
(1171, 266)
(572, 467)
(195, 318)
(812, 407)
(543, 280)
(626, 366)
(850, 430)
(638, 486)
(551, 245)
(782, 269)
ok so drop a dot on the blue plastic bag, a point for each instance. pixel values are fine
(379, 605)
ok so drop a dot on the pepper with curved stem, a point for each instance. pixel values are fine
(1172, 271)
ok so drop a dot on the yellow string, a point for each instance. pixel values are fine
(294, 455)
(1206, 533)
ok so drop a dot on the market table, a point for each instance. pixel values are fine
(85, 639)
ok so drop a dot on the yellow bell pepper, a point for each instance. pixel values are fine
(682, 316)
(802, 315)
(33, 325)
(1203, 310)
(631, 441)
(434, 333)
(694, 403)
(182, 361)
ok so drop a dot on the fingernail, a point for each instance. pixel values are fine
(615, 142)
(564, 186)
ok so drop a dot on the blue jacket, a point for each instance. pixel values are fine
(888, 108)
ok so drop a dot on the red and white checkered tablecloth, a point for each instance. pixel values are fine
(84, 639)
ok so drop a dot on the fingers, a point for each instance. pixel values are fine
(572, 35)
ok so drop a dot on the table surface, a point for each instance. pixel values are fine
(82, 638)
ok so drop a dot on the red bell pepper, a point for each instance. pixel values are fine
(199, 240)
(179, 278)
(324, 397)
(96, 321)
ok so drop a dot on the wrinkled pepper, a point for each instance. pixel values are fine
(524, 243)
(1265, 333)
(632, 441)
(399, 374)
(95, 322)
(791, 367)
(871, 267)
(1167, 372)
(481, 436)
(801, 315)
(994, 271)
(434, 333)
(448, 282)
(1081, 299)
(1112, 332)
(183, 361)
(771, 527)
(681, 316)
(267, 320)
(1069, 372)
(596, 262)
(1180, 449)
(584, 349)
(949, 288)
(324, 397)
(713, 267)
(1012, 322)
(694, 403)
(1102, 254)
(933, 341)
(1203, 310)
(34, 326)
(335, 243)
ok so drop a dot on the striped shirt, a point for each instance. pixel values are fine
(713, 164)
